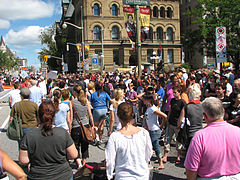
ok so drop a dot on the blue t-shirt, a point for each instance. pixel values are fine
(161, 93)
(61, 116)
(99, 102)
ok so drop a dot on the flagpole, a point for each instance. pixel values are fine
(138, 41)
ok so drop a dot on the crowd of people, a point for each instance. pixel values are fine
(142, 111)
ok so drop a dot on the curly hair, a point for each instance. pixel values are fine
(47, 113)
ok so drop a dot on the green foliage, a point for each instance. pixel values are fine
(186, 65)
(50, 47)
(210, 14)
(7, 60)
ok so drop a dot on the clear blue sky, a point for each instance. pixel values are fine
(21, 22)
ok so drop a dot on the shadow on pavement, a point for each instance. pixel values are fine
(157, 176)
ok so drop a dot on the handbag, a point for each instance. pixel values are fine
(14, 130)
(182, 136)
(88, 133)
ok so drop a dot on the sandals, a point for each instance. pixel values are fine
(158, 168)
(178, 162)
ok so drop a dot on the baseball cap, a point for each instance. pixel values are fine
(25, 92)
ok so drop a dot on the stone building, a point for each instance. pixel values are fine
(104, 30)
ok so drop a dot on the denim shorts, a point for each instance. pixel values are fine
(99, 114)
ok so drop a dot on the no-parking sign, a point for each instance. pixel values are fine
(221, 50)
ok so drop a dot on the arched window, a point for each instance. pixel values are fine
(162, 12)
(150, 34)
(114, 10)
(159, 33)
(169, 12)
(115, 32)
(169, 34)
(96, 9)
(155, 11)
(97, 32)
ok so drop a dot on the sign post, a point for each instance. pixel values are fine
(137, 2)
(221, 52)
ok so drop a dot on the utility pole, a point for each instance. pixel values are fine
(138, 41)
(83, 44)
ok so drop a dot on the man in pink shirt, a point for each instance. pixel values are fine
(214, 151)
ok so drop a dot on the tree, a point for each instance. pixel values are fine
(7, 60)
(210, 14)
(50, 48)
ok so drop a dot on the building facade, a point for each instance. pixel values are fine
(195, 54)
(104, 30)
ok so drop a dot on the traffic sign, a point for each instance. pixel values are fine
(137, 2)
(221, 44)
(94, 60)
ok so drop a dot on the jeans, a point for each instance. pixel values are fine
(155, 135)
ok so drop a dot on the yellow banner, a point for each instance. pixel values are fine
(144, 22)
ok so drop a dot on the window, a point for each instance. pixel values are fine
(150, 34)
(96, 9)
(162, 12)
(159, 33)
(114, 10)
(149, 55)
(170, 56)
(160, 54)
(155, 12)
(116, 57)
(169, 34)
(97, 33)
(115, 32)
(169, 12)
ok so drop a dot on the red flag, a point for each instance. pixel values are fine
(160, 47)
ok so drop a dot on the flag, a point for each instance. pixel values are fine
(160, 48)
(144, 22)
(130, 24)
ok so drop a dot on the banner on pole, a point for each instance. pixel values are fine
(221, 50)
(130, 24)
(144, 22)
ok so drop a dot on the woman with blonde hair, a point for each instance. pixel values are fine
(81, 106)
(91, 89)
(118, 99)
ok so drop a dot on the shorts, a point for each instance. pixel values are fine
(99, 114)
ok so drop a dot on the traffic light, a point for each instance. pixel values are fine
(86, 50)
(79, 46)
(45, 58)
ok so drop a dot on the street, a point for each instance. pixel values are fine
(171, 170)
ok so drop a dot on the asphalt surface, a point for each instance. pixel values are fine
(96, 155)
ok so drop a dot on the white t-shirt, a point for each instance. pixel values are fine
(152, 119)
(229, 88)
(43, 87)
(119, 125)
(15, 96)
(128, 155)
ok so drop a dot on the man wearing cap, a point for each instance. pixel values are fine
(28, 111)
(214, 151)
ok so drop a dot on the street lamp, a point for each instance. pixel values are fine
(64, 26)
(154, 58)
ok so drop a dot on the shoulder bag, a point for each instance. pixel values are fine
(14, 130)
(182, 136)
(88, 133)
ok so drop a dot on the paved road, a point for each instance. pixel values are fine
(171, 170)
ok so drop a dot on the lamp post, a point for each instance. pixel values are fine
(154, 58)
(65, 24)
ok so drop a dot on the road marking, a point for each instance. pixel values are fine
(5, 95)
(4, 124)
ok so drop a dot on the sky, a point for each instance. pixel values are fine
(21, 22)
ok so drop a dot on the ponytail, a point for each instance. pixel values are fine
(56, 96)
(47, 113)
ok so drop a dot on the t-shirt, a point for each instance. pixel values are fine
(15, 96)
(119, 125)
(82, 113)
(128, 155)
(161, 93)
(61, 116)
(47, 154)
(214, 151)
(169, 96)
(152, 119)
(99, 102)
(176, 108)
(28, 113)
